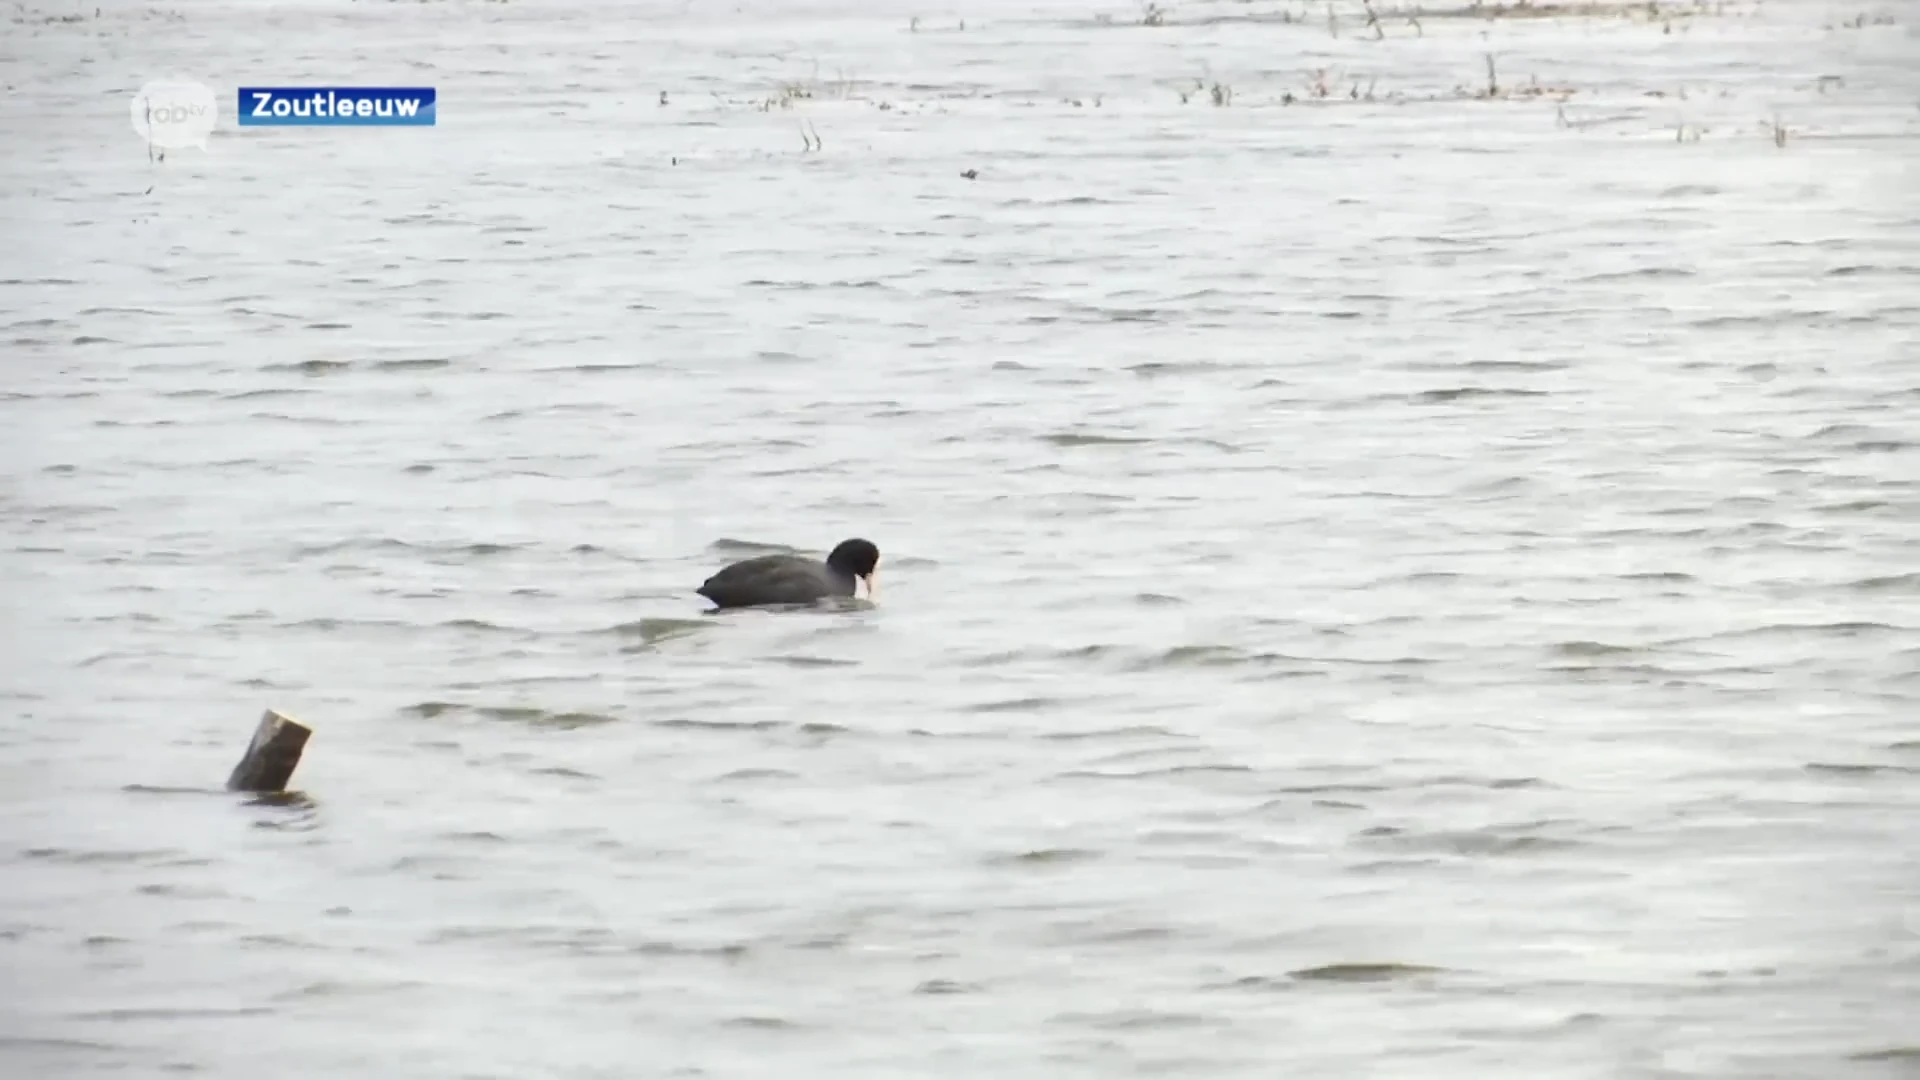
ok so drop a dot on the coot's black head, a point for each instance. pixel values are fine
(854, 558)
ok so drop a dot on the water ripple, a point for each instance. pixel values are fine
(1399, 535)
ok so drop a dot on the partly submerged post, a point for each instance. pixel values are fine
(272, 755)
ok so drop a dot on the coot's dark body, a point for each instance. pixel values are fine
(793, 579)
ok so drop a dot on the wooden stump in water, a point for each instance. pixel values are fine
(272, 755)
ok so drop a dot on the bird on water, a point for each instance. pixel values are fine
(794, 579)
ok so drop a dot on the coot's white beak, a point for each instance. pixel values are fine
(873, 585)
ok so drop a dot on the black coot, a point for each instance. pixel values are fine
(793, 579)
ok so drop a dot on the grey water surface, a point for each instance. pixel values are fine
(1384, 574)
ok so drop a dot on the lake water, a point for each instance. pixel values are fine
(1380, 577)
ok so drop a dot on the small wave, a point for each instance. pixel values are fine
(1842, 271)
(1322, 789)
(412, 365)
(742, 775)
(596, 369)
(471, 316)
(329, 625)
(163, 1013)
(738, 548)
(183, 892)
(1025, 704)
(1131, 731)
(1363, 972)
(476, 624)
(1493, 841)
(1136, 1020)
(1208, 656)
(1162, 773)
(330, 988)
(1837, 629)
(729, 951)
(473, 836)
(1045, 857)
(652, 630)
(1776, 318)
(270, 392)
(543, 718)
(35, 1042)
(1160, 368)
(1841, 431)
(1644, 273)
(315, 421)
(1072, 438)
(313, 367)
(86, 858)
(682, 724)
(1594, 649)
(1001, 658)
(388, 543)
(516, 714)
(1891, 1053)
(1120, 315)
(1462, 393)
(1077, 653)
(1514, 365)
(1845, 769)
(762, 1023)
(1195, 656)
